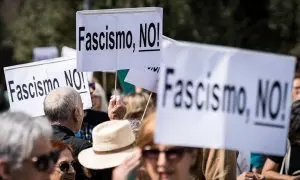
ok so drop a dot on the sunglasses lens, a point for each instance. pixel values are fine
(64, 166)
(151, 154)
(55, 156)
(175, 154)
(42, 163)
(92, 85)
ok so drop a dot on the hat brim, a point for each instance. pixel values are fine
(89, 159)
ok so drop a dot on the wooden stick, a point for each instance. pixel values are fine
(116, 77)
(146, 106)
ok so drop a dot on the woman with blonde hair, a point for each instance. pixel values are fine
(164, 161)
(182, 163)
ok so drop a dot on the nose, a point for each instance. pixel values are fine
(161, 162)
(71, 170)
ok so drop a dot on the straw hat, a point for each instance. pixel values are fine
(113, 142)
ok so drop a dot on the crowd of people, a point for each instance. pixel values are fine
(115, 141)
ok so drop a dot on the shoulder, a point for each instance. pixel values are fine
(78, 144)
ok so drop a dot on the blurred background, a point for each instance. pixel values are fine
(265, 25)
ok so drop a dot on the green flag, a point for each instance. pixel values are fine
(127, 88)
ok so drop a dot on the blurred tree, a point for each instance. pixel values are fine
(44, 23)
(2, 30)
(267, 25)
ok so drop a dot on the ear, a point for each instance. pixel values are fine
(77, 114)
(4, 170)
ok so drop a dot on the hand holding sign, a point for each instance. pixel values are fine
(116, 108)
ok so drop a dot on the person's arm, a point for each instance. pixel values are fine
(270, 171)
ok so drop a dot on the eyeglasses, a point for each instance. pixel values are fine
(173, 155)
(65, 166)
(43, 162)
(92, 86)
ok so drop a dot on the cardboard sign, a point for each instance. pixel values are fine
(42, 53)
(147, 78)
(28, 84)
(221, 97)
(113, 39)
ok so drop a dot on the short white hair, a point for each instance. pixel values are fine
(18, 133)
(60, 104)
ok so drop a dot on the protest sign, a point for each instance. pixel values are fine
(68, 52)
(28, 84)
(147, 78)
(42, 53)
(218, 97)
(113, 39)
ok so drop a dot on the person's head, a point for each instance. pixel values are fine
(163, 161)
(64, 105)
(294, 130)
(99, 102)
(113, 142)
(64, 169)
(296, 87)
(136, 104)
(25, 148)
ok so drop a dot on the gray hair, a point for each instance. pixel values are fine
(60, 104)
(18, 132)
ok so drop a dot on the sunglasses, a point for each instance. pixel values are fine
(92, 86)
(173, 155)
(65, 166)
(43, 162)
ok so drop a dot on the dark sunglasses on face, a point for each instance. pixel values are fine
(65, 166)
(43, 162)
(173, 155)
(92, 86)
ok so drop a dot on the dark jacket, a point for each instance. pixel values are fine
(91, 119)
(67, 136)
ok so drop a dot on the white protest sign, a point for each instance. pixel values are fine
(42, 53)
(113, 39)
(221, 97)
(28, 84)
(147, 78)
(68, 52)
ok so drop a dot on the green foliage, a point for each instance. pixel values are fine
(44, 23)
(267, 25)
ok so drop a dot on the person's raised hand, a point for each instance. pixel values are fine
(122, 171)
(116, 108)
(250, 176)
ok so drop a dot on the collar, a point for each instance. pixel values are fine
(61, 128)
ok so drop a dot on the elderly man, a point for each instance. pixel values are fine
(25, 148)
(64, 108)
